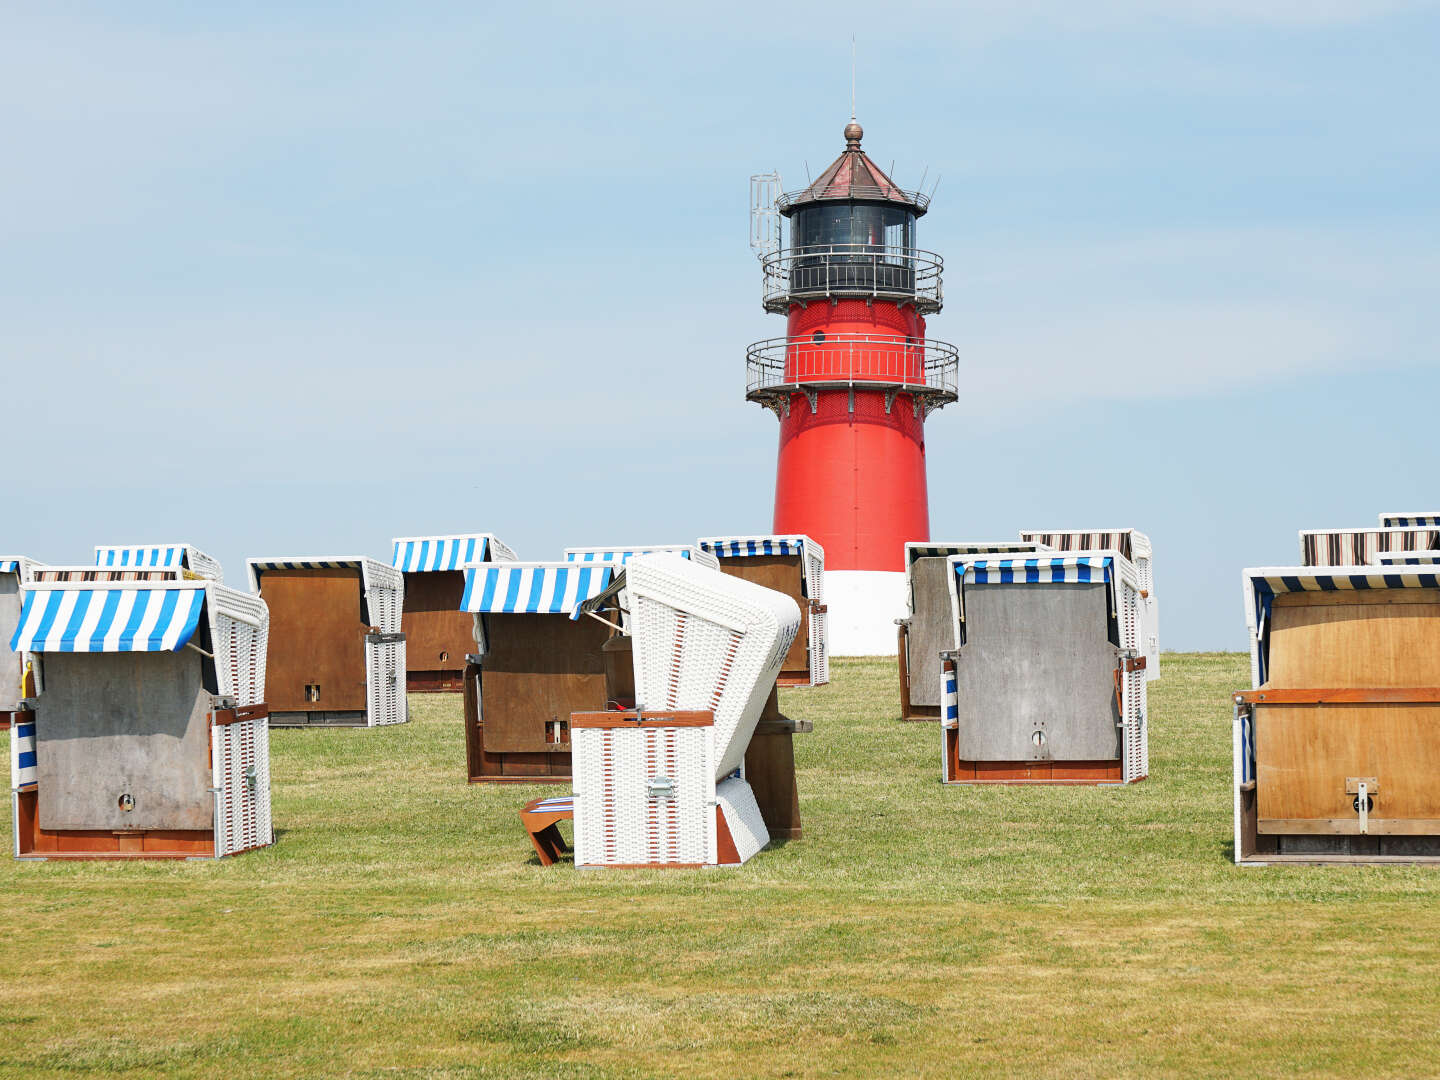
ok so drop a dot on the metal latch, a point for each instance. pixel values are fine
(252, 779)
(1364, 789)
(660, 787)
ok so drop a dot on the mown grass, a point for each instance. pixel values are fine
(401, 927)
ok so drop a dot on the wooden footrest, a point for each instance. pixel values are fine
(540, 819)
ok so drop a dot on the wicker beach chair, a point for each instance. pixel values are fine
(662, 785)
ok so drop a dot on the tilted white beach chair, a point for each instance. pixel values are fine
(661, 785)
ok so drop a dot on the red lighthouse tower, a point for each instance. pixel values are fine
(852, 381)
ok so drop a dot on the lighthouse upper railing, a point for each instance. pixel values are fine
(854, 191)
(837, 270)
(884, 361)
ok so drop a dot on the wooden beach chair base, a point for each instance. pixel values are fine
(541, 819)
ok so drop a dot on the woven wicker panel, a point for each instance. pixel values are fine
(619, 821)
(244, 820)
(742, 815)
(706, 640)
(385, 701)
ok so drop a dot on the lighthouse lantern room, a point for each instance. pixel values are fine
(852, 381)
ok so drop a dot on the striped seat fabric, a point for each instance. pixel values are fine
(556, 588)
(1357, 547)
(23, 771)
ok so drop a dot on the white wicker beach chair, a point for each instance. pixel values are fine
(148, 736)
(661, 785)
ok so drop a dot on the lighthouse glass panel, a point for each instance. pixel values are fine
(843, 247)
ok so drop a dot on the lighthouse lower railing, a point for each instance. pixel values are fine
(879, 361)
(840, 270)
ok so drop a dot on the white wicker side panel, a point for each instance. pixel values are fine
(1146, 575)
(241, 763)
(742, 814)
(385, 681)
(643, 796)
(819, 620)
(240, 659)
(240, 630)
(1134, 694)
(204, 565)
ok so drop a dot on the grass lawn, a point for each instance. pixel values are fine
(402, 927)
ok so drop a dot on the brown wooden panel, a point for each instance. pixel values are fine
(786, 574)
(1374, 638)
(1395, 695)
(1305, 753)
(538, 668)
(770, 771)
(437, 633)
(316, 638)
(106, 843)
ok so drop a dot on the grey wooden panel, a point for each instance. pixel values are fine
(1037, 657)
(10, 666)
(932, 629)
(111, 724)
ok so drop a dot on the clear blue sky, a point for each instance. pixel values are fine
(296, 278)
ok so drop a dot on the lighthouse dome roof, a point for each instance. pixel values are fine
(854, 177)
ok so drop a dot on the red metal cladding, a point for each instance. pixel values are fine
(854, 480)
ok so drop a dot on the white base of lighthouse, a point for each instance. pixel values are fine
(863, 606)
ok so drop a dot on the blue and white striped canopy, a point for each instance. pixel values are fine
(160, 555)
(414, 554)
(9, 566)
(549, 588)
(22, 746)
(622, 556)
(159, 616)
(755, 545)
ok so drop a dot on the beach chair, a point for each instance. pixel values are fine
(1337, 743)
(337, 654)
(662, 784)
(147, 735)
(1048, 682)
(438, 633)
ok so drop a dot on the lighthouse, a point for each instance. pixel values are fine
(852, 381)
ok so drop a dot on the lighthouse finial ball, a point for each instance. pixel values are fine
(853, 134)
